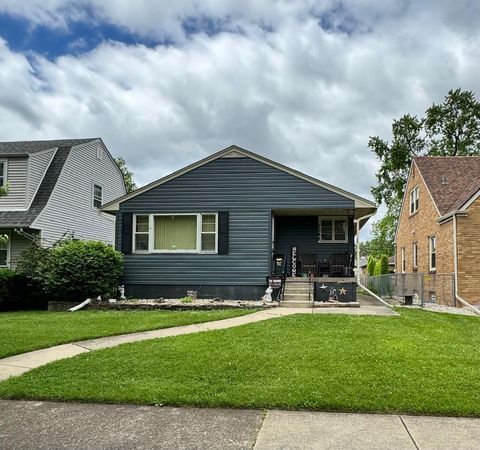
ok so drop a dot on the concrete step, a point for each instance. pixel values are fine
(288, 304)
(297, 297)
(297, 280)
(296, 292)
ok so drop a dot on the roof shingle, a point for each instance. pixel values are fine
(451, 180)
(19, 148)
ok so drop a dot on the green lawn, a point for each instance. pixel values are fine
(25, 331)
(420, 363)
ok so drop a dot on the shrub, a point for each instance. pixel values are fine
(371, 265)
(377, 268)
(7, 277)
(31, 260)
(76, 270)
(186, 299)
(383, 265)
(19, 292)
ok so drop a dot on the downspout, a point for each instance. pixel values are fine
(455, 268)
(357, 221)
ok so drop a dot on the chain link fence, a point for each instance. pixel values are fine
(413, 288)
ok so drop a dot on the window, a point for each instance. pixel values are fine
(4, 251)
(97, 196)
(141, 233)
(174, 233)
(332, 230)
(404, 263)
(3, 173)
(432, 263)
(415, 256)
(170, 233)
(414, 200)
(209, 232)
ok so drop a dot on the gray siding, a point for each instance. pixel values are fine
(17, 178)
(70, 207)
(249, 190)
(37, 166)
(18, 244)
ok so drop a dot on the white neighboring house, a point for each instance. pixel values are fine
(56, 188)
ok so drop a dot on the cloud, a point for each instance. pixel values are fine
(303, 85)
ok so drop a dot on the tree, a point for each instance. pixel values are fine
(448, 129)
(383, 237)
(453, 128)
(371, 265)
(130, 184)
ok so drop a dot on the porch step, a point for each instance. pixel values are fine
(296, 290)
(296, 297)
(295, 304)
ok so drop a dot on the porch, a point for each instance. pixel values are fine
(313, 253)
(319, 246)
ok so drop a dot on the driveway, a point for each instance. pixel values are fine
(48, 425)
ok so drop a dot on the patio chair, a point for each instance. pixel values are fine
(339, 264)
(309, 263)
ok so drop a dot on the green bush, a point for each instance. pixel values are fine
(76, 270)
(7, 277)
(383, 265)
(371, 265)
(378, 268)
(19, 292)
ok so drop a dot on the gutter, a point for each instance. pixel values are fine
(455, 262)
(452, 214)
(357, 222)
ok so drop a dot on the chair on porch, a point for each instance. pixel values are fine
(309, 263)
(339, 263)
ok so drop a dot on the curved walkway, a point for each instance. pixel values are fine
(19, 364)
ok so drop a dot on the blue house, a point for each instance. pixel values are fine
(223, 224)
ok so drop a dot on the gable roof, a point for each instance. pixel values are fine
(234, 151)
(24, 148)
(15, 219)
(451, 180)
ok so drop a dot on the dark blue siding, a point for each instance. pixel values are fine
(249, 190)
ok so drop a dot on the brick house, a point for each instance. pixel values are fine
(440, 217)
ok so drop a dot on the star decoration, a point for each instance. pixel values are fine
(323, 287)
(342, 291)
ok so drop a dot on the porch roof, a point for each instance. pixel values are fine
(356, 213)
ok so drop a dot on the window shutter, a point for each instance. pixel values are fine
(223, 232)
(127, 224)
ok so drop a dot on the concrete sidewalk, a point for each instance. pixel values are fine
(19, 364)
(48, 425)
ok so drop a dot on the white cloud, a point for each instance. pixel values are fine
(301, 94)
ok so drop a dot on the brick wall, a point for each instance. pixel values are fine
(417, 228)
(468, 248)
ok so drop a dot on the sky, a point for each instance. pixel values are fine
(167, 83)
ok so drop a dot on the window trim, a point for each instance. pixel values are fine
(430, 253)
(93, 195)
(135, 232)
(415, 255)
(403, 260)
(9, 251)
(415, 203)
(333, 219)
(5, 171)
(151, 233)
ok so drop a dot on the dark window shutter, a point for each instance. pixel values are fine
(223, 233)
(127, 225)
